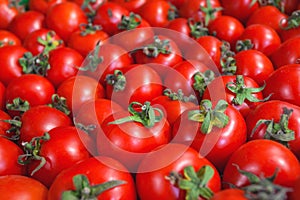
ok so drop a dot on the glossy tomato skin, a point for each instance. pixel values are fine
(45, 118)
(8, 38)
(132, 6)
(262, 157)
(272, 110)
(4, 126)
(10, 152)
(254, 64)
(43, 6)
(263, 37)
(2, 96)
(65, 18)
(98, 170)
(296, 190)
(217, 145)
(151, 179)
(9, 62)
(64, 149)
(18, 186)
(35, 89)
(232, 194)
(283, 84)
(7, 13)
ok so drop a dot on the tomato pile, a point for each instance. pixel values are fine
(150, 99)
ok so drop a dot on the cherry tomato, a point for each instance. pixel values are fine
(232, 194)
(132, 6)
(7, 13)
(8, 38)
(43, 5)
(4, 126)
(2, 96)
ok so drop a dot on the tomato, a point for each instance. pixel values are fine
(65, 18)
(263, 37)
(144, 87)
(43, 5)
(232, 194)
(218, 141)
(45, 118)
(10, 152)
(41, 40)
(25, 23)
(17, 186)
(9, 62)
(89, 7)
(132, 6)
(158, 13)
(98, 170)
(161, 52)
(4, 126)
(254, 64)
(80, 89)
(283, 84)
(286, 53)
(289, 27)
(8, 38)
(2, 96)
(151, 181)
(127, 137)
(262, 157)
(109, 15)
(86, 39)
(7, 13)
(226, 28)
(279, 112)
(240, 9)
(296, 190)
(61, 149)
(33, 88)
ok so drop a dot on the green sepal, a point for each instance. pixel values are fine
(130, 22)
(201, 80)
(93, 60)
(157, 47)
(117, 80)
(18, 105)
(209, 12)
(60, 103)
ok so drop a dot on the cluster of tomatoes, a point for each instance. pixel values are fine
(150, 99)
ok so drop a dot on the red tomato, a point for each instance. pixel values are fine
(226, 28)
(64, 63)
(26, 22)
(254, 64)
(144, 87)
(273, 110)
(109, 15)
(4, 126)
(89, 7)
(7, 13)
(263, 37)
(151, 181)
(63, 148)
(262, 157)
(296, 190)
(45, 118)
(129, 140)
(80, 89)
(43, 5)
(219, 141)
(9, 62)
(232, 194)
(8, 38)
(17, 186)
(65, 18)
(2, 96)
(132, 6)
(9, 152)
(98, 170)
(33, 88)
(283, 84)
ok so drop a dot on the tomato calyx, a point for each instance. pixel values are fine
(277, 131)
(242, 92)
(32, 150)
(198, 29)
(60, 103)
(243, 45)
(179, 96)
(35, 64)
(194, 183)
(18, 105)
(263, 187)
(145, 116)
(158, 46)
(172, 12)
(89, 28)
(87, 7)
(14, 129)
(209, 12)
(130, 22)
(86, 128)
(291, 22)
(227, 60)
(85, 191)
(50, 43)
(210, 117)
(93, 60)
(117, 80)
(276, 3)
(201, 80)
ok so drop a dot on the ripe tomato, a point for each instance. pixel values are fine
(132, 6)
(42, 5)
(8, 38)
(9, 62)
(283, 84)
(218, 141)
(65, 18)
(2, 96)
(276, 112)
(232, 194)
(4, 126)
(9, 152)
(98, 170)
(7, 13)
(151, 181)
(296, 190)
(17, 186)
(62, 149)
(26, 22)
(262, 157)
(254, 64)
(144, 87)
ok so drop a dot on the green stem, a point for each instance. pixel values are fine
(49, 43)
(93, 60)
(35, 64)
(201, 80)
(18, 105)
(209, 12)
(179, 96)
(227, 60)
(130, 22)
(60, 103)
(243, 45)
(198, 29)
(117, 80)
(157, 47)
(292, 22)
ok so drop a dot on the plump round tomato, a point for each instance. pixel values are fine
(17, 186)
(296, 190)
(4, 126)
(7, 13)
(8, 38)
(232, 194)
(43, 5)
(132, 6)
